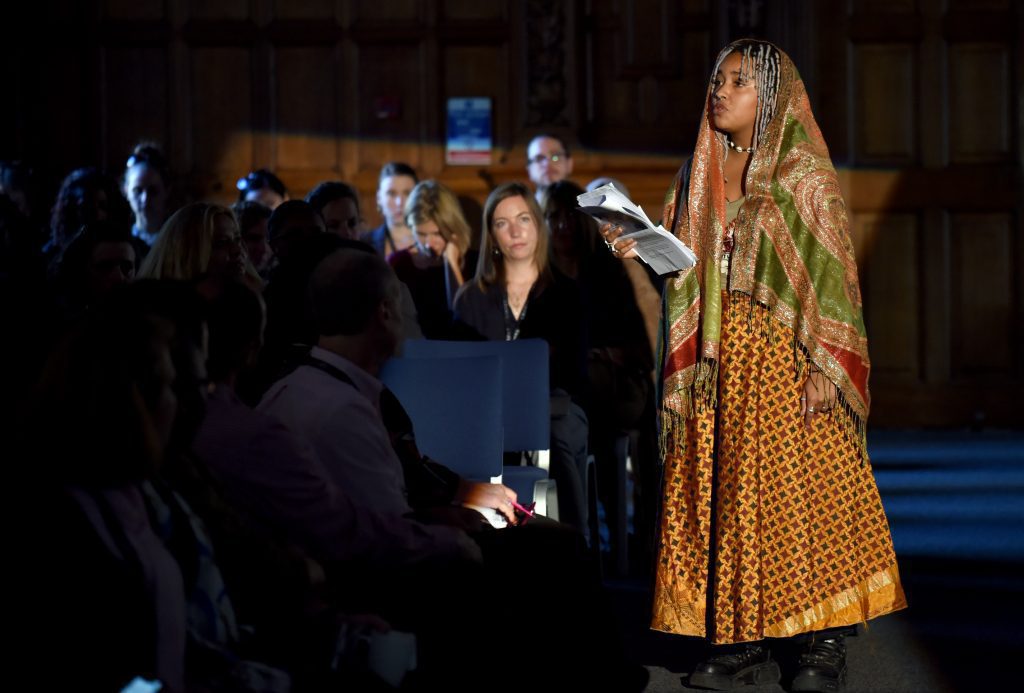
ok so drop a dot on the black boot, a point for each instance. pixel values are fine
(750, 666)
(822, 667)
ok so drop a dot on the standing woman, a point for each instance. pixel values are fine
(771, 522)
(442, 261)
(393, 189)
(147, 185)
(518, 294)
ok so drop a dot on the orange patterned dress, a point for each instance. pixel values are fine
(801, 540)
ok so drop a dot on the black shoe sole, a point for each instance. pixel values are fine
(758, 675)
(814, 683)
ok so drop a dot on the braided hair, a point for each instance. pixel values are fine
(761, 59)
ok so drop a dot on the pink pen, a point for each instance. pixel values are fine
(528, 511)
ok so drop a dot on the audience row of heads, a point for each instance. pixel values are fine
(210, 238)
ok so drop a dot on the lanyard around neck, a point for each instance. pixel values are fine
(512, 324)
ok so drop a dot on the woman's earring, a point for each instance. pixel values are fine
(496, 251)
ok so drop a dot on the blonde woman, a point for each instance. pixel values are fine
(200, 240)
(442, 257)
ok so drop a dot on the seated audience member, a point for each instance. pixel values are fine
(238, 577)
(338, 204)
(19, 182)
(99, 258)
(620, 390)
(393, 188)
(200, 240)
(290, 323)
(292, 223)
(107, 598)
(274, 474)
(252, 222)
(147, 185)
(85, 196)
(264, 187)
(517, 293)
(548, 160)
(436, 271)
(334, 398)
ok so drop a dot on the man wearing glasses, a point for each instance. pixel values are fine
(547, 161)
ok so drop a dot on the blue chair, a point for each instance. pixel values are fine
(456, 409)
(526, 408)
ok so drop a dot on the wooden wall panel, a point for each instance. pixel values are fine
(63, 82)
(473, 10)
(983, 252)
(892, 303)
(886, 127)
(649, 42)
(979, 82)
(980, 4)
(222, 119)
(885, 5)
(641, 57)
(219, 9)
(135, 107)
(392, 10)
(391, 117)
(305, 127)
(304, 9)
(134, 9)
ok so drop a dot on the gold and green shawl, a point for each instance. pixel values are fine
(792, 254)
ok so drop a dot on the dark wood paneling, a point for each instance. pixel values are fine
(304, 130)
(983, 297)
(979, 122)
(219, 9)
(134, 9)
(136, 106)
(886, 126)
(306, 9)
(888, 253)
(222, 122)
(397, 10)
(391, 123)
(473, 10)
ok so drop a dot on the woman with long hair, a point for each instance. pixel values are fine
(200, 240)
(442, 261)
(518, 294)
(764, 396)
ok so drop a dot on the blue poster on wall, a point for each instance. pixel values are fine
(469, 131)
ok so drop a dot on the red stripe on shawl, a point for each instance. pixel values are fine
(683, 356)
(854, 367)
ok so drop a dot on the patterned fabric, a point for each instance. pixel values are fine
(792, 254)
(801, 539)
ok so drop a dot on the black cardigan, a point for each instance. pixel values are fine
(554, 313)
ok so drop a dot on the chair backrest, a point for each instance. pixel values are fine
(526, 391)
(456, 409)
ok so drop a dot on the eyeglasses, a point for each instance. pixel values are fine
(541, 158)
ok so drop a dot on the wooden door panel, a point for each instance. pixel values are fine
(305, 132)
